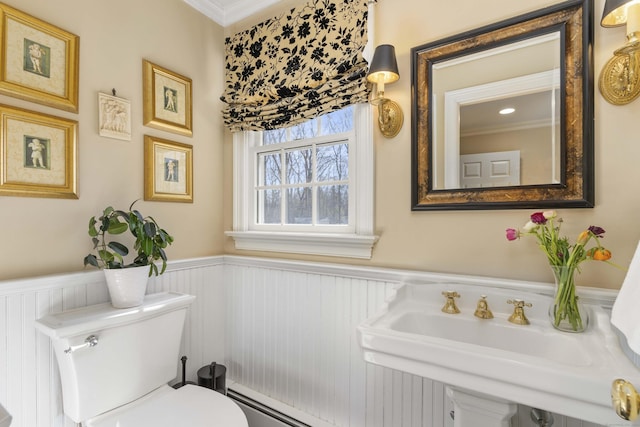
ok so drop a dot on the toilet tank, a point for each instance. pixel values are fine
(136, 352)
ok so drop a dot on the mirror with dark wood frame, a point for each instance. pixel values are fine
(502, 116)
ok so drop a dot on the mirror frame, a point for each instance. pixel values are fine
(574, 19)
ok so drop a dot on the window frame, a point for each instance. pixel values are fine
(356, 242)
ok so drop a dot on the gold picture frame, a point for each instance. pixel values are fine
(39, 62)
(38, 154)
(167, 103)
(168, 170)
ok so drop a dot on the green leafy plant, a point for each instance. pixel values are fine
(150, 240)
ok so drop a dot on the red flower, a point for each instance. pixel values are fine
(597, 231)
(538, 218)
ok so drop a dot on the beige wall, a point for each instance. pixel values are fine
(473, 242)
(43, 236)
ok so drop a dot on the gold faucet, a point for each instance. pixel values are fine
(518, 317)
(482, 310)
(625, 399)
(450, 304)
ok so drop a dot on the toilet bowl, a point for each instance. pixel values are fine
(188, 406)
(115, 365)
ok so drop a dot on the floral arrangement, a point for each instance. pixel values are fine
(565, 259)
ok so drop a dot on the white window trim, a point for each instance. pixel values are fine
(354, 245)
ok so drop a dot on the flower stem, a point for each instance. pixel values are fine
(566, 302)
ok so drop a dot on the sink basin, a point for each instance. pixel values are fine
(534, 364)
(528, 341)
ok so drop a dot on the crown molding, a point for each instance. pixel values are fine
(227, 12)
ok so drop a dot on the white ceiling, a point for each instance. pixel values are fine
(227, 12)
(532, 110)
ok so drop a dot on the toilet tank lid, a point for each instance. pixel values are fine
(101, 316)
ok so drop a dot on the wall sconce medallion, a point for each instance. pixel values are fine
(390, 118)
(619, 81)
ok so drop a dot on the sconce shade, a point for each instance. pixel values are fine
(384, 67)
(615, 13)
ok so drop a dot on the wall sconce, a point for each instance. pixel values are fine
(384, 69)
(619, 80)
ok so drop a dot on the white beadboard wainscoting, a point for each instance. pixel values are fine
(29, 380)
(286, 331)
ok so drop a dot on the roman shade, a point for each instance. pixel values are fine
(296, 66)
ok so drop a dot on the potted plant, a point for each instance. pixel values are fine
(127, 280)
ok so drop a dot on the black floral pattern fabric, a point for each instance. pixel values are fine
(297, 66)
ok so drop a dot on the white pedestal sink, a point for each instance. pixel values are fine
(492, 364)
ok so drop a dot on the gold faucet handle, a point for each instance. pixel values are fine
(450, 304)
(518, 303)
(518, 317)
(625, 399)
(451, 294)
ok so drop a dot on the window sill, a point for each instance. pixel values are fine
(340, 245)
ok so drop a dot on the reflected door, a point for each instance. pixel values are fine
(490, 169)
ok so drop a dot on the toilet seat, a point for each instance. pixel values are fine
(188, 406)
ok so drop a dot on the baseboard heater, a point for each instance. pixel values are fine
(265, 411)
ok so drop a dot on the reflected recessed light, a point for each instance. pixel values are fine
(508, 110)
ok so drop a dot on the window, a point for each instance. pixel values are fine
(302, 175)
(307, 188)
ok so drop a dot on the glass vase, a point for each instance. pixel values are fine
(566, 312)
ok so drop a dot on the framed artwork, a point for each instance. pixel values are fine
(168, 170)
(38, 61)
(166, 99)
(38, 154)
(114, 117)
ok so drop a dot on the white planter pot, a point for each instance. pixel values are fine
(127, 286)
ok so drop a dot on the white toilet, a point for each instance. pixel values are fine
(115, 365)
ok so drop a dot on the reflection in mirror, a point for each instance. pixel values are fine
(522, 76)
(529, 127)
(469, 154)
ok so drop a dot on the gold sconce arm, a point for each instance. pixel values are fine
(625, 399)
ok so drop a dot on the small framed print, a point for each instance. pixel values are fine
(40, 62)
(38, 154)
(168, 170)
(114, 117)
(167, 101)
